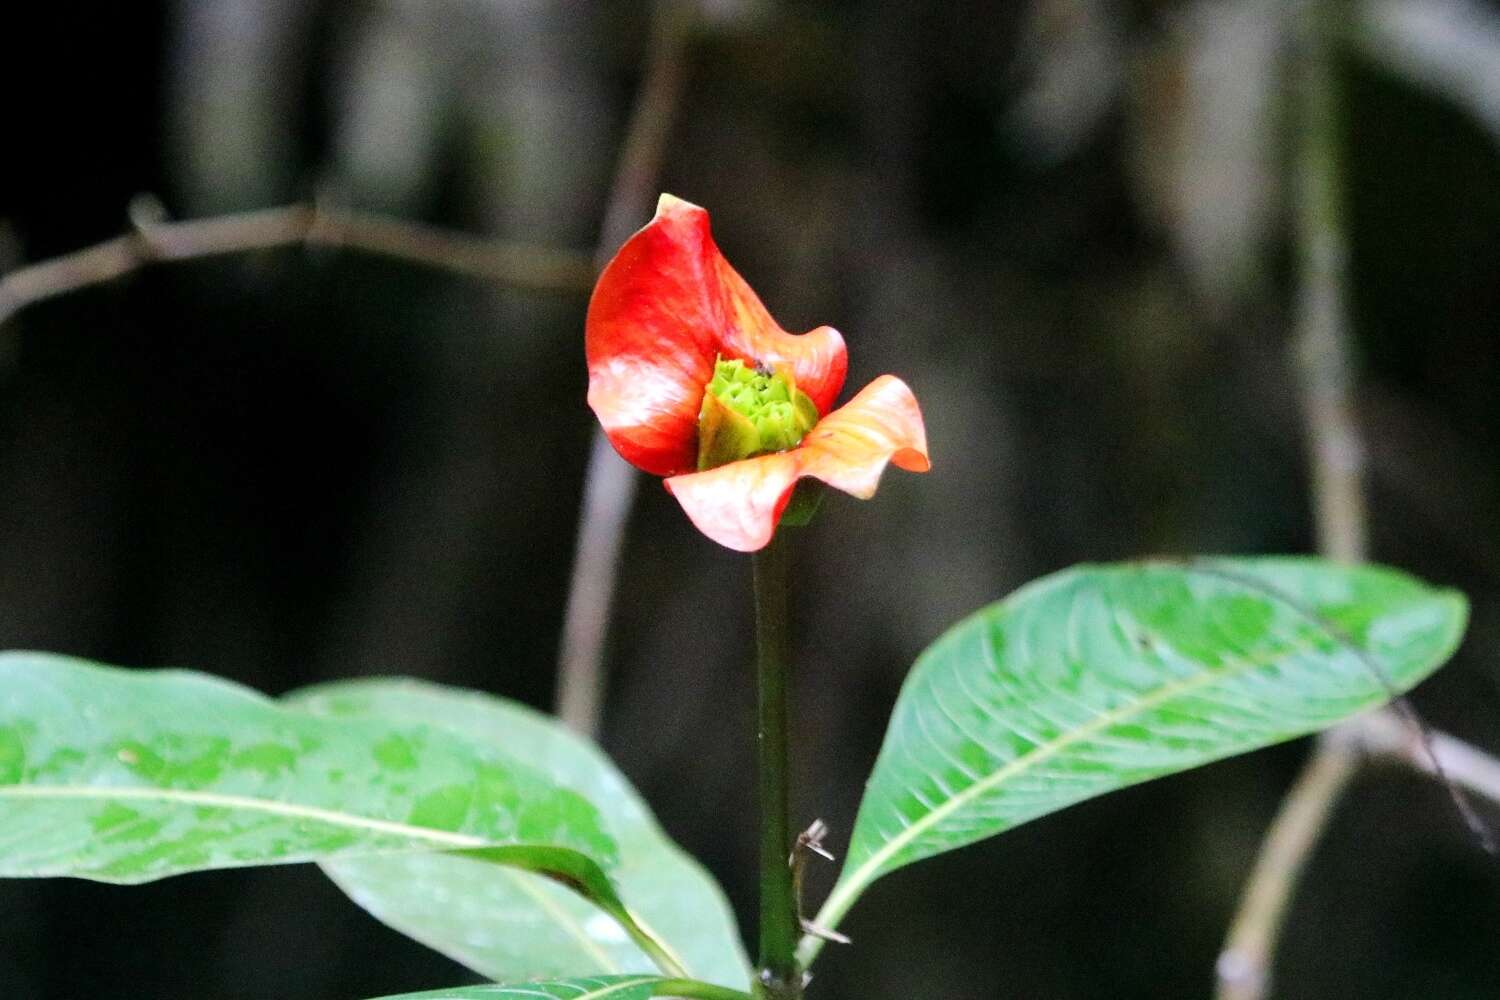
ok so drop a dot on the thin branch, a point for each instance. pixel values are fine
(153, 241)
(610, 484)
(1336, 458)
(1244, 964)
(1382, 735)
(1334, 449)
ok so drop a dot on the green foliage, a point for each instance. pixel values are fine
(490, 833)
(591, 988)
(1101, 677)
(506, 923)
(587, 988)
(128, 776)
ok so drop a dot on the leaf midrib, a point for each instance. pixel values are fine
(847, 889)
(616, 987)
(566, 921)
(609, 988)
(446, 839)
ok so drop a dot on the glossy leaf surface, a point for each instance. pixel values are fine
(1100, 677)
(507, 924)
(590, 988)
(127, 776)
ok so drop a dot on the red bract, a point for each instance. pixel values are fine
(665, 310)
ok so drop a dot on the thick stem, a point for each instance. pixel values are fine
(780, 977)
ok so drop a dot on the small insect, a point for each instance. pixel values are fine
(764, 370)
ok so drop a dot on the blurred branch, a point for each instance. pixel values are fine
(153, 241)
(1244, 964)
(1421, 459)
(610, 484)
(1451, 47)
(1243, 968)
(1336, 457)
(1335, 451)
(1385, 736)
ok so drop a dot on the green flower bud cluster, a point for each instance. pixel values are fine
(765, 398)
(749, 411)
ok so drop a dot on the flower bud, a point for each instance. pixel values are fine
(749, 410)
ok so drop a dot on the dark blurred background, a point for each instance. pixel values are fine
(1064, 222)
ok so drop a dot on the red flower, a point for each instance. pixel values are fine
(668, 317)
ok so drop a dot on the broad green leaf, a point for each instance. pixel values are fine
(505, 924)
(1100, 677)
(127, 776)
(591, 988)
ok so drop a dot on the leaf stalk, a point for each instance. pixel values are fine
(692, 989)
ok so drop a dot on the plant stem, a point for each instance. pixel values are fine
(780, 976)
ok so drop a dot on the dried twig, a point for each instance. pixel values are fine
(1383, 735)
(610, 485)
(1336, 457)
(1244, 964)
(153, 241)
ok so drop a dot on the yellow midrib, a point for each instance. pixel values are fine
(616, 987)
(441, 838)
(569, 925)
(292, 810)
(847, 888)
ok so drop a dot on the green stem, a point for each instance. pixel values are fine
(692, 989)
(780, 977)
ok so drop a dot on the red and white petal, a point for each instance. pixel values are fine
(663, 310)
(739, 505)
(850, 447)
(653, 329)
(818, 359)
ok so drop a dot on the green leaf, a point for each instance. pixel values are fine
(127, 776)
(1100, 677)
(590, 988)
(505, 924)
